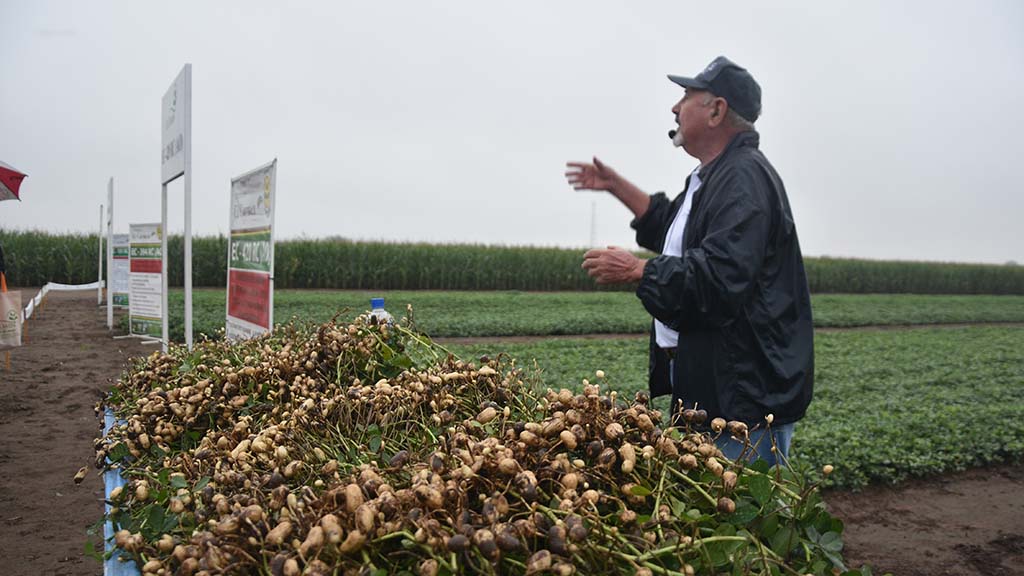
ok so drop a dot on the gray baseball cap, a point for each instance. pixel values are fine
(727, 79)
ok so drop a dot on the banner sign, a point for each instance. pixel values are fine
(119, 270)
(176, 120)
(10, 320)
(250, 302)
(145, 284)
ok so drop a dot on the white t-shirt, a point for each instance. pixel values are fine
(665, 336)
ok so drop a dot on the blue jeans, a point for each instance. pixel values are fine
(761, 444)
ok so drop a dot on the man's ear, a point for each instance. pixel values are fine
(719, 108)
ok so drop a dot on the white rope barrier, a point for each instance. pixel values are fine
(56, 286)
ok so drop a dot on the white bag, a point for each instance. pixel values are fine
(10, 320)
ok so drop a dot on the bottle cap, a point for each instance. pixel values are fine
(376, 303)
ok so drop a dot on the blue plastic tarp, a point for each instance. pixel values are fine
(115, 565)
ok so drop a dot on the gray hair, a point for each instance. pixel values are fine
(736, 121)
(732, 118)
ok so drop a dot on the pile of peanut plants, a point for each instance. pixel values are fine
(368, 449)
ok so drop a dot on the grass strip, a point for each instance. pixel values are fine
(469, 314)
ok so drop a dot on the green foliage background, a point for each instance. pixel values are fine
(34, 258)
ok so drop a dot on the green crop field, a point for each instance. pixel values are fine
(887, 405)
(34, 258)
(469, 314)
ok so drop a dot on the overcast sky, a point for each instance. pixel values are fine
(896, 126)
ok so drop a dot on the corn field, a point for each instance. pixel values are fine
(34, 258)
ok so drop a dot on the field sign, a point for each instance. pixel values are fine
(10, 320)
(120, 270)
(175, 106)
(175, 161)
(250, 301)
(145, 283)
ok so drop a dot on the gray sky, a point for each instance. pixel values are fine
(895, 125)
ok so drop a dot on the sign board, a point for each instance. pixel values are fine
(10, 320)
(145, 283)
(250, 301)
(119, 270)
(176, 121)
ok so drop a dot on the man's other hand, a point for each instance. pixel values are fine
(613, 265)
(591, 176)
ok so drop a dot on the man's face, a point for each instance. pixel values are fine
(691, 113)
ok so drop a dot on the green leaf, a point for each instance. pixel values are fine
(202, 483)
(170, 522)
(639, 490)
(91, 552)
(783, 541)
(769, 525)
(118, 453)
(154, 523)
(760, 488)
(837, 526)
(831, 541)
(743, 514)
(402, 361)
(678, 507)
(178, 482)
(760, 466)
(725, 530)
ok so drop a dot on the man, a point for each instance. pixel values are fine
(732, 327)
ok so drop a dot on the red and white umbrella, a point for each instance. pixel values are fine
(10, 182)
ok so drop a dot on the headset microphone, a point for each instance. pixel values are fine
(672, 134)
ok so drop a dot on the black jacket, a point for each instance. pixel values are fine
(738, 296)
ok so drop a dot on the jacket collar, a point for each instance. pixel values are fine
(740, 140)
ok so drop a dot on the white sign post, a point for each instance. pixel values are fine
(99, 262)
(110, 254)
(176, 160)
(250, 298)
(147, 315)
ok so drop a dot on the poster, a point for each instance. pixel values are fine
(145, 284)
(250, 297)
(10, 320)
(120, 270)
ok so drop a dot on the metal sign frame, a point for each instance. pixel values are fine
(175, 161)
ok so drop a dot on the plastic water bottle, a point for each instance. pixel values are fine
(377, 311)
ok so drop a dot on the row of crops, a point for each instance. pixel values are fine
(34, 258)
(453, 313)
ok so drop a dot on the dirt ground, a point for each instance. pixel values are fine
(957, 525)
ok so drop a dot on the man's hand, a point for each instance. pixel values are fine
(613, 266)
(598, 176)
(587, 176)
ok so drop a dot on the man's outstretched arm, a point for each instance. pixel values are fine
(597, 175)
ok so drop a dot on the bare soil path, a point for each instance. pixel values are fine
(956, 525)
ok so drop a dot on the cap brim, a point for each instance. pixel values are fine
(689, 82)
